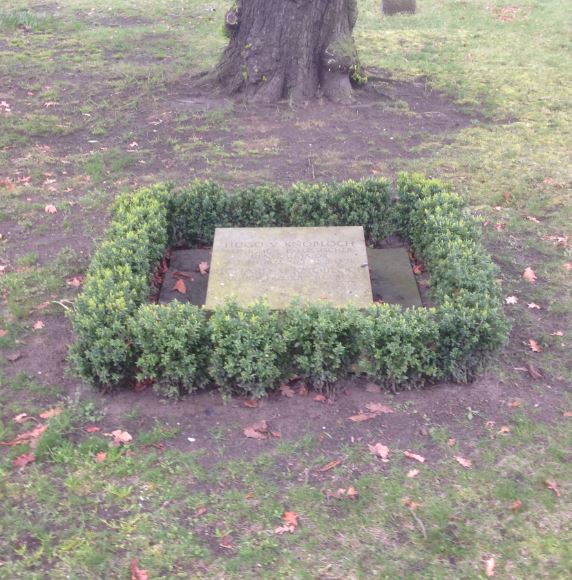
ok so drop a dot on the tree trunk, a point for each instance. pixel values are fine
(296, 49)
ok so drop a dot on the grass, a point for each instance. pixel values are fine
(86, 80)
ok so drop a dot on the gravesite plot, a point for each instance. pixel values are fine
(285, 289)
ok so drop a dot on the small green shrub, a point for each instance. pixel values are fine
(398, 347)
(248, 350)
(173, 346)
(197, 211)
(263, 206)
(322, 341)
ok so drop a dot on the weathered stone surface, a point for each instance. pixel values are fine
(392, 278)
(315, 264)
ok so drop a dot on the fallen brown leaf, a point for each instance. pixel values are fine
(120, 436)
(412, 505)
(533, 306)
(75, 282)
(413, 473)
(378, 408)
(511, 300)
(557, 333)
(38, 325)
(507, 195)
(464, 462)
(178, 274)
(533, 371)
(290, 520)
(226, 542)
(567, 414)
(30, 437)
(320, 399)
(567, 266)
(451, 442)
(200, 511)
(514, 403)
(24, 459)
(203, 268)
(552, 486)
(101, 456)
(51, 208)
(257, 430)
(504, 430)
(287, 391)
(349, 493)
(529, 275)
(330, 465)
(515, 505)
(534, 346)
(180, 286)
(137, 573)
(51, 413)
(490, 567)
(362, 417)
(250, 403)
(21, 418)
(92, 429)
(380, 450)
(414, 456)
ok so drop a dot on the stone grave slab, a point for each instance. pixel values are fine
(186, 262)
(392, 277)
(315, 264)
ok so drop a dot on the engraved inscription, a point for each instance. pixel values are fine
(313, 264)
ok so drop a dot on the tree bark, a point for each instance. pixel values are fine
(289, 49)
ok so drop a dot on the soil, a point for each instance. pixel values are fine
(247, 144)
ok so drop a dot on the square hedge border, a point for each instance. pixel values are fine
(181, 347)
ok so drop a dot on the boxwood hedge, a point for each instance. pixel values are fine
(119, 336)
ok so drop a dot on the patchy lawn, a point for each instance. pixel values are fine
(99, 97)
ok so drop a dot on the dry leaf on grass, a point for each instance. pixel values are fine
(350, 493)
(414, 456)
(534, 346)
(137, 573)
(412, 473)
(511, 300)
(380, 450)
(451, 441)
(320, 399)
(29, 437)
(21, 418)
(567, 266)
(250, 403)
(514, 404)
(38, 325)
(203, 268)
(200, 511)
(360, 417)
(505, 429)
(552, 486)
(490, 567)
(51, 413)
(557, 333)
(378, 408)
(51, 208)
(533, 372)
(330, 465)
(290, 520)
(529, 275)
(92, 429)
(75, 282)
(24, 459)
(101, 456)
(533, 306)
(412, 505)
(464, 462)
(120, 436)
(567, 414)
(257, 430)
(515, 505)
